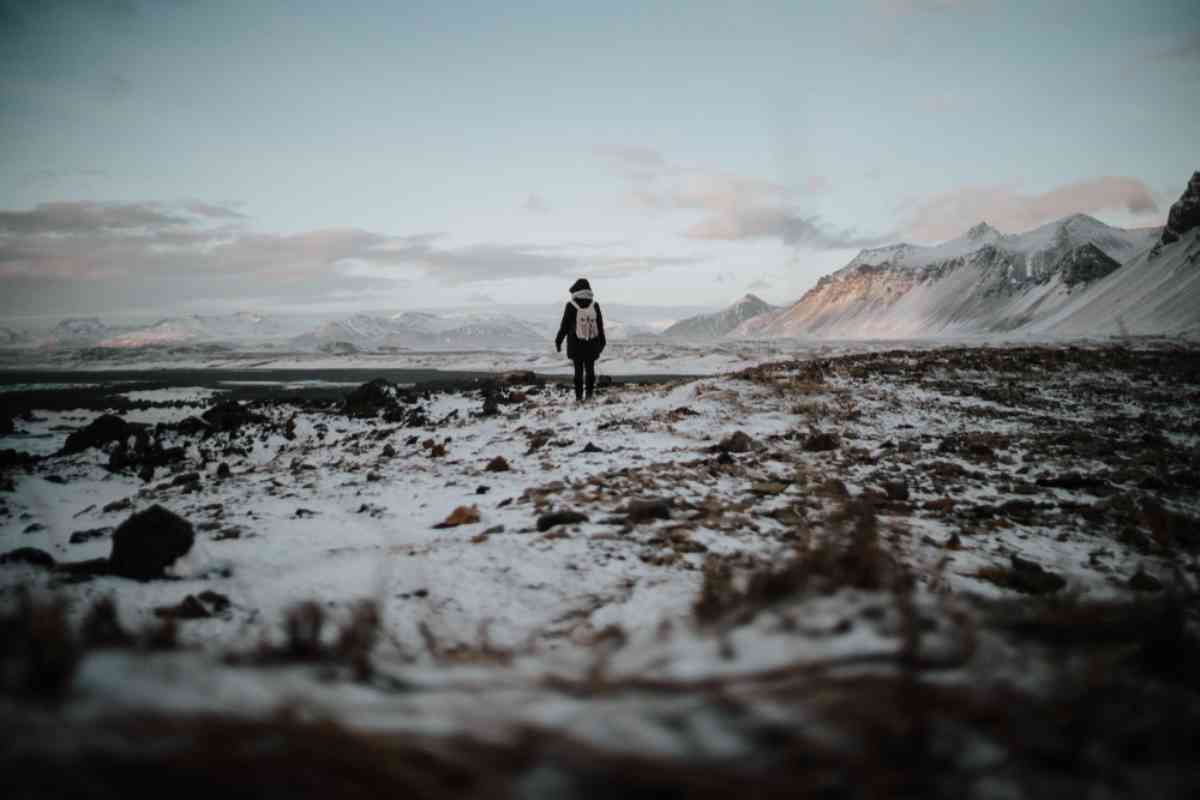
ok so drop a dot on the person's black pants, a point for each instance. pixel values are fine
(582, 366)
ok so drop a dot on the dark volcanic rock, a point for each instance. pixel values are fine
(148, 542)
(79, 537)
(497, 464)
(547, 521)
(228, 415)
(648, 509)
(103, 430)
(1030, 578)
(821, 441)
(1085, 264)
(736, 442)
(28, 555)
(491, 399)
(591, 448)
(371, 398)
(188, 608)
(1143, 582)
(1184, 214)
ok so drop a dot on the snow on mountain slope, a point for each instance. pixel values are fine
(715, 326)
(981, 282)
(1155, 293)
(422, 331)
(241, 326)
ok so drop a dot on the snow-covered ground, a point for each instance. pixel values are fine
(890, 493)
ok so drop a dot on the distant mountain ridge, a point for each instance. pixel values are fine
(721, 323)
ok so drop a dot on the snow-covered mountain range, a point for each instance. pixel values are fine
(422, 331)
(1075, 276)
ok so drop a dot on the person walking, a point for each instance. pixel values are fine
(583, 328)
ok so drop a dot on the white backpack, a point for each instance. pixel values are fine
(587, 327)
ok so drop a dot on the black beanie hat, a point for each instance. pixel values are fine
(580, 285)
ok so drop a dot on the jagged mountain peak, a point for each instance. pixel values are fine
(1184, 214)
(982, 231)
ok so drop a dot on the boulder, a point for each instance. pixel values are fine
(104, 429)
(28, 555)
(371, 398)
(736, 442)
(148, 542)
(547, 521)
(228, 415)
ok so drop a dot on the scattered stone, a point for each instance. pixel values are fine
(591, 448)
(833, 487)
(497, 464)
(483, 489)
(215, 601)
(821, 441)
(79, 537)
(144, 545)
(188, 608)
(124, 504)
(896, 490)
(1031, 578)
(463, 515)
(35, 527)
(374, 477)
(547, 521)
(304, 513)
(223, 470)
(768, 488)
(725, 459)
(604, 381)
(649, 509)
(389, 451)
(146, 474)
(28, 555)
(186, 479)
(737, 442)
(1144, 582)
(59, 479)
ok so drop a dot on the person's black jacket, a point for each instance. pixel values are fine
(588, 350)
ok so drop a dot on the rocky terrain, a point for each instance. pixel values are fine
(954, 572)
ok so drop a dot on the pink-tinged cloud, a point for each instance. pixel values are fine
(782, 224)
(1011, 211)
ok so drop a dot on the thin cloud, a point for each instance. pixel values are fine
(62, 218)
(99, 255)
(738, 207)
(947, 215)
(213, 211)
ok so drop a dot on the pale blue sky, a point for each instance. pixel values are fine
(676, 152)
